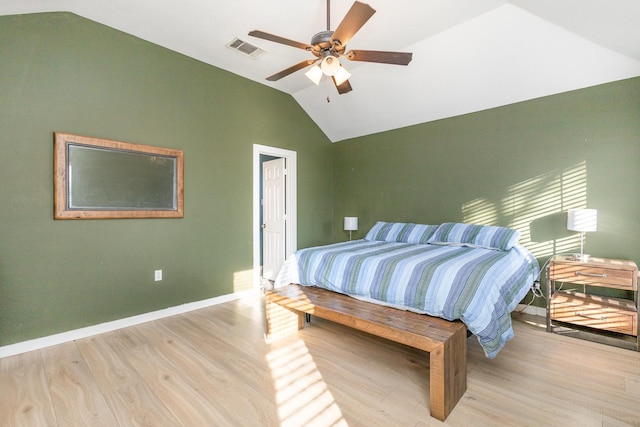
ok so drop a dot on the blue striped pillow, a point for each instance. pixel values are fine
(473, 235)
(401, 232)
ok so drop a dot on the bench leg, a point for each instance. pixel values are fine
(281, 321)
(448, 375)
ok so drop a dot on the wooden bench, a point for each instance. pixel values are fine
(445, 341)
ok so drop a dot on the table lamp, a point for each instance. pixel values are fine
(582, 220)
(350, 224)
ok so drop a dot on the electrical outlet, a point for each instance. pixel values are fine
(158, 275)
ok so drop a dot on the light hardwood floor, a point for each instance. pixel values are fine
(212, 367)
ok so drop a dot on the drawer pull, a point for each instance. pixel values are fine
(603, 318)
(603, 275)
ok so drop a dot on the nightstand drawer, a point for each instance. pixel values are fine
(610, 314)
(583, 274)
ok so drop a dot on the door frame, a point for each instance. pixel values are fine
(291, 226)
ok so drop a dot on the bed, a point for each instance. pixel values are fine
(473, 273)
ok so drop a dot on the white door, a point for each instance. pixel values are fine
(274, 217)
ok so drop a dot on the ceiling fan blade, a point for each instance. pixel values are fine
(397, 58)
(343, 88)
(355, 18)
(278, 39)
(290, 70)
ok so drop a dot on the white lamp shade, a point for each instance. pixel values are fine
(341, 76)
(350, 223)
(314, 74)
(582, 220)
(330, 65)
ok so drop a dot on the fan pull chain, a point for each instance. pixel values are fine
(328, 85)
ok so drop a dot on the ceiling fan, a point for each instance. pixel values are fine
(328, 46)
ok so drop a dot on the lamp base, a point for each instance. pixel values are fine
(582, 257)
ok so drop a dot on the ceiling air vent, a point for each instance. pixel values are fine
(245, 48)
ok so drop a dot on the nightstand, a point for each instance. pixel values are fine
(576, 306)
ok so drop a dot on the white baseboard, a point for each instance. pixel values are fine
(532, 309)
(63, 337)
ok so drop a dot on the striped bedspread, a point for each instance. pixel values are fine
(478, 286)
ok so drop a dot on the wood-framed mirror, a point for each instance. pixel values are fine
(99, 178)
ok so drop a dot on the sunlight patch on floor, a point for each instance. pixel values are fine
(302, 397)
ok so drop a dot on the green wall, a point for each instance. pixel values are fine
(60, 72)
(521, 165)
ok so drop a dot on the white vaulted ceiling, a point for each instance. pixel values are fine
(468, 55)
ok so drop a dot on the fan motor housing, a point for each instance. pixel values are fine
(322, 39)
(322, 43)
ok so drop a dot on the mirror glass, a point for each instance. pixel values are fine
(100, 178)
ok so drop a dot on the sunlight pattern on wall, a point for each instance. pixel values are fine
(537, 208)
(302, 396)
(480, 211)
(243, 280)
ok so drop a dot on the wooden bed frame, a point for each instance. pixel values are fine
(445, 341)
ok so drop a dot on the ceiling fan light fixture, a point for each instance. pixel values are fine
(314, 74)
(330, 65)
(341, 76)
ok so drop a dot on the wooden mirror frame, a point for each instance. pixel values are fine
(62, 189)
